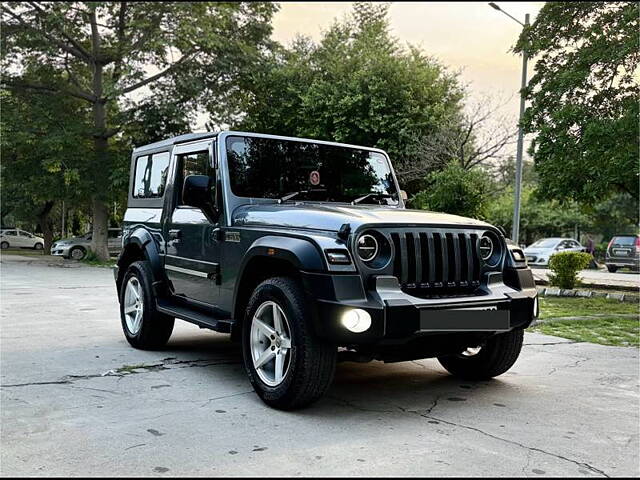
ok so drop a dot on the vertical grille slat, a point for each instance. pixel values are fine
(411, 259)
(445, 258)
(432, 257)
(404, 261)
(418, 249)
(457, 258)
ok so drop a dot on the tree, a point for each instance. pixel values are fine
(455, 190)
(539, 218)
(101, 53)
(584, 99)
(474, 137)
(357, 85)
(43, 156)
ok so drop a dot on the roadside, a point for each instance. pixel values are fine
(626, 280)
(596, 320)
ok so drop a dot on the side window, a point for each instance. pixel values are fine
(151, 175)
(196, 163)
(11, 233)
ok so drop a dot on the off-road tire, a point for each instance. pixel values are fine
(77, 249)
(4, 245)
(494, 358)
(612, 268)
(313, 360)
(156, 327)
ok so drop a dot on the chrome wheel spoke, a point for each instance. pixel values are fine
(285, 342)
(277, 319)
(132, 306)
(279, 371)
(265, 329)
(266, 356)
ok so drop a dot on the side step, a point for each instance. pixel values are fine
(197, 317)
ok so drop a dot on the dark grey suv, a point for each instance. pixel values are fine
(623, 251)
(304, 252)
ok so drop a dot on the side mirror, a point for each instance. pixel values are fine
(198, 191)
(404, 196)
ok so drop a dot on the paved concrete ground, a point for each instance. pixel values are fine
(624, 278)
(565, 409)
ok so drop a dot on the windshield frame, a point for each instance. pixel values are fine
(234, 200)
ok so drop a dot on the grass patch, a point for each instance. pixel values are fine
(620, 331)
(554, 307)
(92, 259)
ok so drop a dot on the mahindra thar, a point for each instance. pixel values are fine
(304, 252)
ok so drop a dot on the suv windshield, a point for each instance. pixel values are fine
(272, 168)
(627, 241)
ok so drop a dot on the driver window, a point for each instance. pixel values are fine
(196, 163)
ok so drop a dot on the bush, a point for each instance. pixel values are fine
(454, 190)
(565, 267)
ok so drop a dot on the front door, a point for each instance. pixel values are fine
(192, 249)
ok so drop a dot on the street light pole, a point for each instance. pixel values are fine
(515, 230)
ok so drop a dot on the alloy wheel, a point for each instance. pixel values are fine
(133, 305)
(270, 343)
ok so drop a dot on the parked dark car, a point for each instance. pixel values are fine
(623, 251)
(304, 252)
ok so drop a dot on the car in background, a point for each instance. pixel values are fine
(539, 252)
(16, 238)
(623, 251)
(77, 247)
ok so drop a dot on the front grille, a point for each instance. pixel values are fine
(435, 263)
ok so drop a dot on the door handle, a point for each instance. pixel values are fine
(174, 236)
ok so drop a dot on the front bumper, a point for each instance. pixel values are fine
(61, 250)
(504, 303)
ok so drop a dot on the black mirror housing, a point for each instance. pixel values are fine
(198, 192)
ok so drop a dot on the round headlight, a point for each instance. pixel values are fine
(486, 248)
(367, 248)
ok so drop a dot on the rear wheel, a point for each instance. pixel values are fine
(612, 268)
(143, 326)
(288, 366)
(38, 246)
(487, 361)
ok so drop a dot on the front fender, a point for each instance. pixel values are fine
(302, 254)
(143, 241)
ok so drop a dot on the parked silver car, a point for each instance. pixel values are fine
(16, 238)
(539, 252)
(77, 247)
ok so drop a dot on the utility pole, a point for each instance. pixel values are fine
(515, 229)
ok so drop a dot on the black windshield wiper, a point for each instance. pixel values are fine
(291, 195)
(371, 195)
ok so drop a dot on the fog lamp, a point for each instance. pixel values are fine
(356, 320)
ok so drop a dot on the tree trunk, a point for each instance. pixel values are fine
(45, 226)
(101, 165)
(100, 228)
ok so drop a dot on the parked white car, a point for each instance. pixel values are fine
(538, 253)
(77, 247)
(16, 238)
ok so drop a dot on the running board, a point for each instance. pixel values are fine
(198, 318)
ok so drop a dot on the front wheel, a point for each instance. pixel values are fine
(4, 245)
(612, 268)
(288, 366)
(77, 253)
(487, 361)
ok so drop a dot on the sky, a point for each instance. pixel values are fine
(469, 37)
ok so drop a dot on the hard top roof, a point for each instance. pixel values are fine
(187, 137)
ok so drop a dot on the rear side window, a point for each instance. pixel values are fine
(151, 175)
(627, 241)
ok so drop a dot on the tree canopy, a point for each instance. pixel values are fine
(584, 99)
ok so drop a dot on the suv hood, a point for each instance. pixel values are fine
(331, 217)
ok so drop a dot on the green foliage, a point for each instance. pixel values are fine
(584, 99)
(358, 85)
(455, 190)
(565, 267)
(538, 218)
